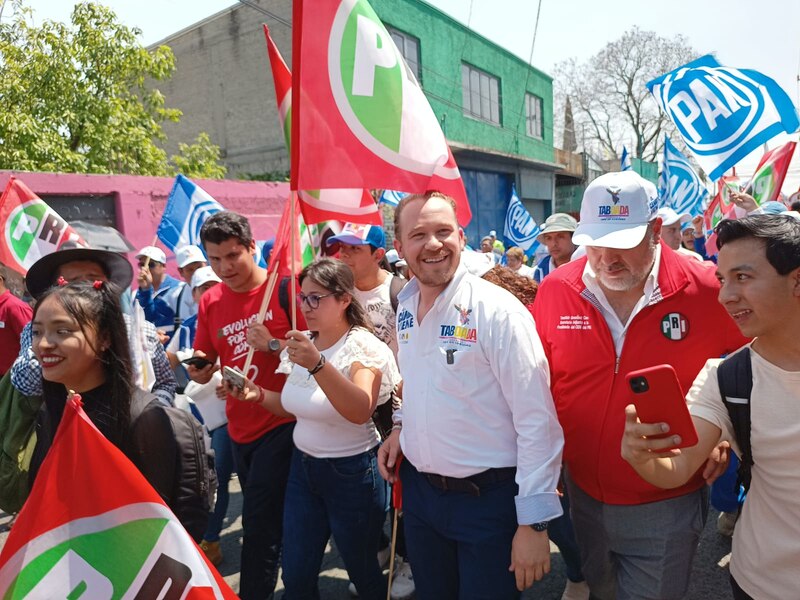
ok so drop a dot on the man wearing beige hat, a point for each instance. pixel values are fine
(556, 234)
(630, 303)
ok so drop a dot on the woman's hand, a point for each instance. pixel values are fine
(301, 349)
(249, 393)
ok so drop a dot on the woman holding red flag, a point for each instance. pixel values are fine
(337, 374)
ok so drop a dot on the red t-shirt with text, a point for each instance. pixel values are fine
(222, 322)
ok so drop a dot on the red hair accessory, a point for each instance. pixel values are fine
(97, 284)
(61, 281)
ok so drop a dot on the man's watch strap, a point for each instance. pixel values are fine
(541, 526)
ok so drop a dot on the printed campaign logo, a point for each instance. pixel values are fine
(463, 314)
(674, 326)
(405, 321)
(33, 230)
(379, 97)
(81, 559)
(723, 113)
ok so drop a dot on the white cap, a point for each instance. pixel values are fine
(189, 254)
(392, 256)
(203, 275)
(615, 211)
(401, 263)
(154, 254)
(493, 233)
(670, 217)
(477, 263)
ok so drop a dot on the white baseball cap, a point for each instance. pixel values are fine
(477, 263)
(154, 254)
(615, 211)
(392, 256)
(203, 275)
(670, 217)
(189, 254)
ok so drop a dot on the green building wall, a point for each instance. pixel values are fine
(443, 45)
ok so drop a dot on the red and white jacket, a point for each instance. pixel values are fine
(683, 325)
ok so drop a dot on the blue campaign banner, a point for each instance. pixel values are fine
(723, 113)
(625, 161)
(681, 187)
(520, 228)
(391, 198)
(188, 206)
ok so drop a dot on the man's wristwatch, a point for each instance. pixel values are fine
(274, 345)
(540, 526)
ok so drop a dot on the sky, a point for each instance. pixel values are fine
(741, 33)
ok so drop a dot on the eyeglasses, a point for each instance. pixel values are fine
(312, 300)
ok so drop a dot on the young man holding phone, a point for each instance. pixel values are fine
(759, 272)
(631, 303)
(262, 441)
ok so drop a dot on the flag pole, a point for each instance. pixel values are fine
(262, 311)
(147, 258)
(293, 240)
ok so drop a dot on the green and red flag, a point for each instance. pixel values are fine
(721, 207)
(359, 117)
(93, 527)
(766, 183)
(30, 228)
(317, 206)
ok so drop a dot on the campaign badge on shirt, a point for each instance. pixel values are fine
(674, 326)
(459, 335)
(405, 322)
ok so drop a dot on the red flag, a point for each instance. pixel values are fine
(360, 117)
(353, 205)
(767, 181)
(397, 486)
(281, 256)
(93, 527)
(720, 208)
(29, 229)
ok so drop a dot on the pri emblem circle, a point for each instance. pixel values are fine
(379, 98)
(674, 326)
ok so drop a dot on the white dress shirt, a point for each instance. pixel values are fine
(476, 391)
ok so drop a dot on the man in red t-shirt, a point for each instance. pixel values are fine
(14, 315)
(262, 441)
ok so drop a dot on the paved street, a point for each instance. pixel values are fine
(709, 581)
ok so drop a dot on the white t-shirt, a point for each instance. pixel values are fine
(766, 542)
(378, 304)
(525, 271)
(321, 431)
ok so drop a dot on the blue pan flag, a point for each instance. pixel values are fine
(520, 228)
(188, 206)
(682, 189)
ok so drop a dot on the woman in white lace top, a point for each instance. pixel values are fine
(337, 374)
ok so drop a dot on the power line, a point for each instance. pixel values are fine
(277, 18)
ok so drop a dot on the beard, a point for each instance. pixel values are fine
(437, 275)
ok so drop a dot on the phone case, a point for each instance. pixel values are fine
(657, 395)
(233, 377)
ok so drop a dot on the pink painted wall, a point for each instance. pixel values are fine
(140, 200)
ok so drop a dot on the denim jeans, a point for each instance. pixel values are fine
(263, 466)
(345, 497)
(223, 463)
(460, 545)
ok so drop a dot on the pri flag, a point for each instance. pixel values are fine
(721, 207)
(682, 189)
(625, 161)
(93, 527)
(356, 205)
(29, 228)
(360, 119)
(188, 207)
(520, 228)
(771, 171)
(723, 113)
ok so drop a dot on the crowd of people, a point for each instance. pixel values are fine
(493, 391)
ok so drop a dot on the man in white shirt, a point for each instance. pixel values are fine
(478, 429)
(759, 272)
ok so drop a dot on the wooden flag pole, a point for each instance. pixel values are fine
(391, 555)
(294, 240)
(273, 278)
(147, 258)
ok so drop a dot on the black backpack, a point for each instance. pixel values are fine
(195, 485)
(735, 377)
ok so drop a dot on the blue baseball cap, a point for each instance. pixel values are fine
(356, 234)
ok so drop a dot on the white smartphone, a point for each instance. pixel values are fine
(233, 376)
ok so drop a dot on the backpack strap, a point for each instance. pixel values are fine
(395, 285)
(735, 377)
(177, 320)
(283, 296)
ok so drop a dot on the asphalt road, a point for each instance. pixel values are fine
(709, 574)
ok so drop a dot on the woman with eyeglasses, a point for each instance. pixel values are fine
(337, 374)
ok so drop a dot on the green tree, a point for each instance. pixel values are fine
(200, 159)
(80, 97)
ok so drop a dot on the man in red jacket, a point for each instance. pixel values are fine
(631, 303)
